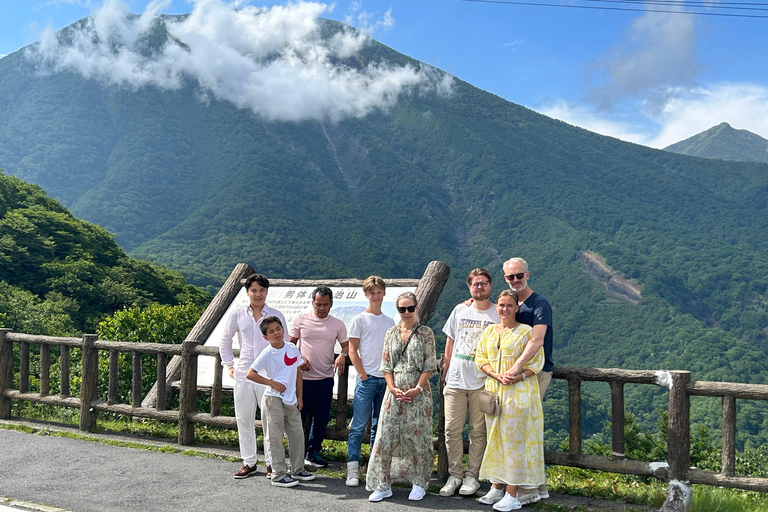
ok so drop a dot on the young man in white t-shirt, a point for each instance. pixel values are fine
(366, 344)
(282, 402)
(463, 383)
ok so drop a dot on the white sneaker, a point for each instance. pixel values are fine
(449, 489)
(543, 492)
(353, 474)
(507, 503)
(493, 496)
(417, 493)
(528, 496)
(470, 486)
(380, 495)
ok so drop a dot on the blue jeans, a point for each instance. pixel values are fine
(367, 403)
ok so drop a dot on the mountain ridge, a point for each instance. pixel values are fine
(723, 142)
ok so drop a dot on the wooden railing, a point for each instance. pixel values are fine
(676, 470)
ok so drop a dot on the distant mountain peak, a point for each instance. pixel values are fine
(723, 142)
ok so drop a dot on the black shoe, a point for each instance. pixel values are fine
(286, 481)
(315, 460)
(304, 476)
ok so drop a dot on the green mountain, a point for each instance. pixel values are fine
(651, 259)
(60, 274)
(724, 143)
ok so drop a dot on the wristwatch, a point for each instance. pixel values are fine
(344, 354)
(421, 389)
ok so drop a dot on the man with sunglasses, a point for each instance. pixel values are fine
(463, 383)
(535, 311)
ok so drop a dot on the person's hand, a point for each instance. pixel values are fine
(231, 371)
(502, 378)
(277, 386)
(363, 376)
(396, 392)
(305, 366)
(469, 301)
(514, 370)
(300, 404)
(340, 364)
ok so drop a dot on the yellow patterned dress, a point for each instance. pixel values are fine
(514, 454)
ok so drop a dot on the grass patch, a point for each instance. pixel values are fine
(608, 486)
(715, 499)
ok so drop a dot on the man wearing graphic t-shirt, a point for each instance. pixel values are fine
(463, 383)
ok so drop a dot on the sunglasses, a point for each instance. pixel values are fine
(403, 309)
(519, 277)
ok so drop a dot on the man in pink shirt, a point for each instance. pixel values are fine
(245, 321)
(316, 334)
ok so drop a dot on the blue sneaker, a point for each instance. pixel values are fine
(315, 460)
(286, 481)
(303, 476)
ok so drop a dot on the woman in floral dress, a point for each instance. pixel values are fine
(514, 455)
(402, 452)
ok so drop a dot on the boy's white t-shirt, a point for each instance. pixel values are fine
(465, 325)
(370, 329)
(281, 365)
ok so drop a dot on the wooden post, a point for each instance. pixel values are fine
(162, 395)
(728, 455)
(136, 380)
(442, 452)
(24, 367)
(574, 416)
(64, 364)
(6, 372)
(45, 369)
(205, 324)
(678, 443)
(617, 420)
(89, 382)
(114, 362)
(216, 393)
(188, 392)
(430, 286)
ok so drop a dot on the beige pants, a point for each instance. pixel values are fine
(283, 419)
(457, 403)
(544, 379)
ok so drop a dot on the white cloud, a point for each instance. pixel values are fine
(684, 112)
(271, 61)
(587, 117)
(659, 51)
(689, 111)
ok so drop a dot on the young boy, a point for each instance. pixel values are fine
(281, 403)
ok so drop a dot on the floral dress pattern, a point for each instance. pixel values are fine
(403, 452)
(514, 454)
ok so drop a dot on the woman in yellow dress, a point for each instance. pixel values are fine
(514, 455)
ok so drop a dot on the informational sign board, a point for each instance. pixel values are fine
(291, 302)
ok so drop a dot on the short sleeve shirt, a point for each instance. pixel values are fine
(537, 311)
(464, 326)
(316, 340)
(370, 329)
(281, 364)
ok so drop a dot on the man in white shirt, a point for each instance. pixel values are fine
(245, 322)
(463, 383)
(366, 344)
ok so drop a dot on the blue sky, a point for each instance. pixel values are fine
(644, 77)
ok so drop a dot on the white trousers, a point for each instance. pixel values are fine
(248, 396)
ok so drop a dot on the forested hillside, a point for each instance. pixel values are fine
(724, 143)
(464, 177)
(60, 275)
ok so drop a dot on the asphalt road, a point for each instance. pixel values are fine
(87, 476)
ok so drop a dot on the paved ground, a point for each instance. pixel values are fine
(84, 476)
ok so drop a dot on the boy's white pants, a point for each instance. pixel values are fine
(248, 396)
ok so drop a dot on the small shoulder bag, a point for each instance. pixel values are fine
(490, 404)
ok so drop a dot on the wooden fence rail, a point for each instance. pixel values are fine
(676, 470)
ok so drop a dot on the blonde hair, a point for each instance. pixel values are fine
(408, 295)
(508, 293)
(479, 272)
(372, 281)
